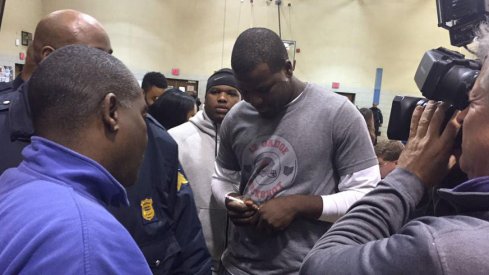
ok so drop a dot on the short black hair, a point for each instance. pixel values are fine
(154, 79)
(255, 46)
(68, 87)
(172, 107)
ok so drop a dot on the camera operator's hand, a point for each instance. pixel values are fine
(428, 153)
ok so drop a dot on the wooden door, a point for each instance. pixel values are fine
(184, 85)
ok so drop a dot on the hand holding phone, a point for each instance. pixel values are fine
(241, 212)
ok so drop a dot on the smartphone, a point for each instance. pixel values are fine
(240, 201)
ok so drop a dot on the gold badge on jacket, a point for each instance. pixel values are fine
(147, 209)
(181, 180)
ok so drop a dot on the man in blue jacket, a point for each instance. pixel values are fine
(171, 239)
(90, 135)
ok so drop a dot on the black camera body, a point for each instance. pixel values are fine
(461, 18)
(442, 75)
(400, 119)
(445, 75)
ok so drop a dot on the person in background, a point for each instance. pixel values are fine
(369, 119)
(378, 118)
(301, 157)
(52, 206)
(377, 231)
(388, 152)
(198, 141)
(154, 85)
(173, 108)
(195, 96)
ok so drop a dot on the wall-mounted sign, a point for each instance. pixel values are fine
(26, 38)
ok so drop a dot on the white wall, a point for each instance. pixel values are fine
(340, 40)
(141, 32)
(19, 15)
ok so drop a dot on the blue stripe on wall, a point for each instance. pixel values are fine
(378, 84)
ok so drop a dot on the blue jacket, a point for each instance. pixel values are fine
(163, 217)
(53, 219)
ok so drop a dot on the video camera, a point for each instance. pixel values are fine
(443, 75)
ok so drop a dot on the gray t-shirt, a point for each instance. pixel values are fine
(318, 138)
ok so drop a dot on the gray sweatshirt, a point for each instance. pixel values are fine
(196, 141)
(375, 236)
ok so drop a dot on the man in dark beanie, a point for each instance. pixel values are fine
(197, 141)
(221, 94)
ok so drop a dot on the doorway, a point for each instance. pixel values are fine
(184, 85)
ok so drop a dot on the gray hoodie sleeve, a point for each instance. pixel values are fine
(372, 237)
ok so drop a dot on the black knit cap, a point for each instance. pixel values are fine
(222, 77)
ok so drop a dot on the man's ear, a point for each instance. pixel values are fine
(45, 51)
(289, 68)
(110, 112)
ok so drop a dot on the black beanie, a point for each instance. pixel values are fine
(222, 77)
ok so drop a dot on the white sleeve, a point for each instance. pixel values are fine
(224, 181)
(352, 187)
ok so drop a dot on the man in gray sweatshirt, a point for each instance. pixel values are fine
(197, 149)
(303, 155)
(376, 236)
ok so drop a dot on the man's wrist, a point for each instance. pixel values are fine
(407, 182)
(306, 206)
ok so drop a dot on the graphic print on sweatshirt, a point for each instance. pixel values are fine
(269, 166)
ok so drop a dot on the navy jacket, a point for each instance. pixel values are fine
(163, 217)
(15, 123)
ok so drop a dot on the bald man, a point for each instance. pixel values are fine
(58, 29)
(66, 27)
